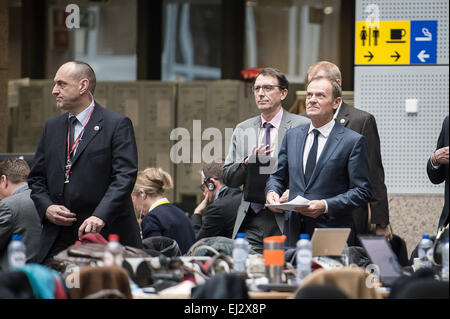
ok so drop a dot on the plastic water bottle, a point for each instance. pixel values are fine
(240, 253)
(425, 251)
(17, 256)
(114, 252)
(304, 257)
(444, 270)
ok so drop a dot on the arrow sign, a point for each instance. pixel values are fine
(370, 56)
(422, 56)
(396, 56)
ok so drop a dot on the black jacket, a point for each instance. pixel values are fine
(102, 177)
(219, 217)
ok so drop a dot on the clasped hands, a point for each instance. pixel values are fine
(314, 209)
(62, 216)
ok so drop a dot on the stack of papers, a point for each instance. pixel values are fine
(296, 202)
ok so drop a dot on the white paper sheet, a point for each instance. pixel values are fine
(298, 201)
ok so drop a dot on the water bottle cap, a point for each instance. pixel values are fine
(113, 237)
(304, 236)
(425, 236)
(240, 235)
(17, 237)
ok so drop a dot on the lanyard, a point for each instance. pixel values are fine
(74, 146)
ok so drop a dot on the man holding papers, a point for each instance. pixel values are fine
(323, 162)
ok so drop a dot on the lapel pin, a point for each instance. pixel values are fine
(342, 121)
(96, 128)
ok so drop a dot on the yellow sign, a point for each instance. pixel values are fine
(385, 42)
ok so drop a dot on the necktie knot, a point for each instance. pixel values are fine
(267, 125)
(316, 133)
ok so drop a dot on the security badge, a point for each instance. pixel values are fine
(67, 172)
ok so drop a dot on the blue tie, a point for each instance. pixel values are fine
(267, 126)
(311, 162)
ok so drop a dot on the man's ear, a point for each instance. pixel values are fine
(4, 180)
(336, 103)
(284, 94)
(84, 86)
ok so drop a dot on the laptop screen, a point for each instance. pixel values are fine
(329, 241)
(381, 254)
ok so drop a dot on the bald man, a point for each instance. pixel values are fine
(84, 168)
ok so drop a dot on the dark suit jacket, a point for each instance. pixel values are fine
(340, 177)
(219, 216)
(364, 123)
(103, 174)
(169, 221)
(440, 175)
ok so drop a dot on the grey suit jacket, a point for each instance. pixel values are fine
(244, 137)
(19, 216)
(364, 123)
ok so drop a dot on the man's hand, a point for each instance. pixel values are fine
(60, 215)
(284, 198)
(273, 198)
(441, 155)
(314, 210)
(386, 232)
(261, 150)
(91, 225)
(207, 200)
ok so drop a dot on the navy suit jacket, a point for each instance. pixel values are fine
(103, 174)
(168, 220)
(341, 177)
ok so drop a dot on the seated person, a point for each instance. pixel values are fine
(17, 212)
(160, 217)
(216, 214)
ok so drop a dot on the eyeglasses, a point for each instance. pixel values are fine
(266, 88)
(202, 187)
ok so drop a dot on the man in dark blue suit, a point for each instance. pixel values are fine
(437, 168)
(84, 167)
(324, 162)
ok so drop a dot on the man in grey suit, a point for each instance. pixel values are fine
(263, 135)
(17, 212)
(363, 123)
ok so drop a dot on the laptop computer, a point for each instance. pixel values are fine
(329, 241)
(381, 254)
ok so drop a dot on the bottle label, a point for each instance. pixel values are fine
(304, 256)
(239, 255)
(17, 259)
(109, 259)
(430, 254)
